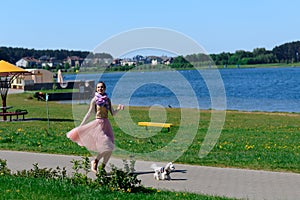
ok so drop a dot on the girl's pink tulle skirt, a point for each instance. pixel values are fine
(96, 135)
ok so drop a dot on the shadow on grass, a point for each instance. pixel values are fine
(50, 119)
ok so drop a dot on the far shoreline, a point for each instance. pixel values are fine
(258, 66)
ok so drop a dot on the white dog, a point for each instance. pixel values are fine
(163, 173)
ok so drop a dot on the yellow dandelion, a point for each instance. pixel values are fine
(248, 147)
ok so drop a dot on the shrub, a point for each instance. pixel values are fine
(37, 172)
(116, 180)
(3, 168)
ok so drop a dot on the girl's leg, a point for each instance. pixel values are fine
(94, 165)
(105, 155)
(99, 156)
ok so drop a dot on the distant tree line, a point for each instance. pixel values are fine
(12, 55)
(285, 53)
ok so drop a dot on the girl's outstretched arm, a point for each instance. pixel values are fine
(113, 112)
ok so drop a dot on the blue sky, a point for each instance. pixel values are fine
(217, 25)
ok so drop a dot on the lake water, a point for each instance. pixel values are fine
(253, 89)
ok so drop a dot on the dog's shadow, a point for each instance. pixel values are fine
(172, 179)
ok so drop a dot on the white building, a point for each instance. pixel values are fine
(27, 62)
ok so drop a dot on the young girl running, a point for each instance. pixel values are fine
(97, 135)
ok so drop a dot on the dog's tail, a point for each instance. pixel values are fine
(154, 166)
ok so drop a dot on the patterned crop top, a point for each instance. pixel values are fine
(101, 112)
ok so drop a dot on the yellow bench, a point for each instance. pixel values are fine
(156, 124)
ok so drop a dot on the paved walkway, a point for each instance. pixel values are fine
(237, 183)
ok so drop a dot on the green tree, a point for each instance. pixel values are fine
(66, 66)
(180, 62)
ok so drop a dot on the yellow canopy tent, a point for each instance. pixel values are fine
(8, 73)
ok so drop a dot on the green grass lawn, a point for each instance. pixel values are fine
(37, 188)
(252, 140)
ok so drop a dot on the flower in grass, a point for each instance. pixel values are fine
(248, 147)
(19, 129)
(39, 144)
(128, 190)
(157, 190)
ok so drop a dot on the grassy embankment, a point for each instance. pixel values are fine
(268, 141)
(255, 140)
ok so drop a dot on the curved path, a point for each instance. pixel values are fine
(237, 183)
